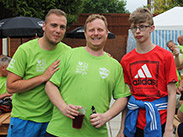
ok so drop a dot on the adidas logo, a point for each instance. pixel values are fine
(145, 73)
(143, 77)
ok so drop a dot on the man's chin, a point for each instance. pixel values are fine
(96, 47)
(55, 42)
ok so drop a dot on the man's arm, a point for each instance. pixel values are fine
(123, 116)
(170, 110)
(55, 97)
(15, 83)
(178, 60)
(99, 119)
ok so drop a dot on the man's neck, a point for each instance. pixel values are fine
(46, 45)
(93, 52)
(145, 47)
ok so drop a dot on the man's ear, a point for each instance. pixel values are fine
(44, 24)
(152, 28)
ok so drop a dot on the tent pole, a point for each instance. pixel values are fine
(9, 47)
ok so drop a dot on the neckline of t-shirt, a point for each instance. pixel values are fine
(146, 52)
(91, 56)
(47, 51)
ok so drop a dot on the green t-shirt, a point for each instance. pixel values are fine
(3, 85)
(178, 76)
(30, 61)
(181, 48)
(181, 108)
(86, 80)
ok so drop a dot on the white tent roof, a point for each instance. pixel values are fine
(169, 20)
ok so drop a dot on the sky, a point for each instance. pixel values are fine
(131, 5)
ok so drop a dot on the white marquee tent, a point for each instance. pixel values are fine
(168, 26)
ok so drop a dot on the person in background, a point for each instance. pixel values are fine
(31, 67)
(179, 64)
(171, 45)
(4, 61)
(150, 72)
(180, 40)
(87, 77)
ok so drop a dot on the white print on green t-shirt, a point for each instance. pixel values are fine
(103, 72)
(82, 68)
(11, 64)
(41, 65)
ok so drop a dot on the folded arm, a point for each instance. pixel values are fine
(15, 83)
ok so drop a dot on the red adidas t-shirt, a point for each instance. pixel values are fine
(148, 74)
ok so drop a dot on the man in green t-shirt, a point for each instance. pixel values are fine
(4, 61)
(87, 77)
(31, 67)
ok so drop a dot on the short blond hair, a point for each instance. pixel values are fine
(141, 15)
(57, 12)
(96, 16)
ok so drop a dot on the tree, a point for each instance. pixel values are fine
(104, 6)
(39, 8)
(161, 6)
(179, 2)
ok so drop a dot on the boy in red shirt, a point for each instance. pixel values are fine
(150, 72)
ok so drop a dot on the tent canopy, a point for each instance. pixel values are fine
(169, 20)
(168, 26)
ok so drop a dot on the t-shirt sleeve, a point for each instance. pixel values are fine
(126, 77)
(17, 64)
(170, 69)
(121, 88)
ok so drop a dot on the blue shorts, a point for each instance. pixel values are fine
(25, 128)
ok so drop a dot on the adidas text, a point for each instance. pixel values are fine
(140, 81)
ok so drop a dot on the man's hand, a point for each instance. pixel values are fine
(51, 70)
(71, 111)
(98, 119)
(176, 52)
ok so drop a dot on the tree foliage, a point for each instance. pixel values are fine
(39, 8)
(161, 6)
(179, 2)
(104, 6)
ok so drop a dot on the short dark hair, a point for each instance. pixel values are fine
(168, 42)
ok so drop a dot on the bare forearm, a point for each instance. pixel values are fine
(54, 95)
(178, 61)
(15, 83)
(171, 107)
(19, 86)
(118, 106)
(123, 116)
